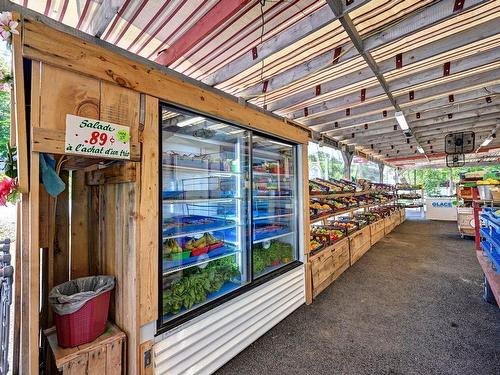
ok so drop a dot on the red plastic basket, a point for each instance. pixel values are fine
(84, 325)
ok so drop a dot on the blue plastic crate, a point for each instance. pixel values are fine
(183, 225)
(169, 264)
(491, 247)
(494, 257)
(488, 215)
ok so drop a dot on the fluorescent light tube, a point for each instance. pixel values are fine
(400, 118)
(420, 149)
(487, 141)
(190, 121)
(279, 143)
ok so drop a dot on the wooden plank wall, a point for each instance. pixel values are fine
(104, 218)
(80, 212)
(148, 216)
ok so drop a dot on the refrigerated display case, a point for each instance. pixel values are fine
(228, 212)
(274, 204)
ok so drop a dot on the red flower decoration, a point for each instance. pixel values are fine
(8, 190)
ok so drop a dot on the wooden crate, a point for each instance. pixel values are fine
(388, 225)
(377, 231)
(396, 217)
(328, 265)
(103, 356)
(402, 215)
(359, 244)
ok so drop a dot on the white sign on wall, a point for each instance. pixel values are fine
(441, 209)
(96, 138)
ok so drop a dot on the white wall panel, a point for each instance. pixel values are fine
(204, 344)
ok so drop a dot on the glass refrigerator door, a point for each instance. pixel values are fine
(274, 216)
(205, 204)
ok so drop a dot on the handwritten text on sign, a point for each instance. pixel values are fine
(97, 138)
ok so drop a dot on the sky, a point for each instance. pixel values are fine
(4, 52)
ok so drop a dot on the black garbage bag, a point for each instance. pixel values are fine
(68, 297)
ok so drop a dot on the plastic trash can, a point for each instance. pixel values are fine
(81, 309)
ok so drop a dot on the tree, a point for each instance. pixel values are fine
(4, 110)
(433, 179)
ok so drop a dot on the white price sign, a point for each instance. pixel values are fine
(96, 138)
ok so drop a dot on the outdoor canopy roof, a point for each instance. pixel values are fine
(341, 67)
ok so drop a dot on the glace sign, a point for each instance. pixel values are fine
(96, 138)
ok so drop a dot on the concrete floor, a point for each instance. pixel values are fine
(411, 305)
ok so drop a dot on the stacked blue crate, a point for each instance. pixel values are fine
(490, 233)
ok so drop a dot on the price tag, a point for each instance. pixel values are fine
(96, 138)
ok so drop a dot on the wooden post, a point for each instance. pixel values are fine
(19, 109)
(33, 267)
(306, 220)
(347, 156)
(381, 172)
(475, 206)
(147, 239)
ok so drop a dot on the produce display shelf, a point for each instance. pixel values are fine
(287, 197)
(190, 233)
(226, 288)
(349, 194)
(272, 237)
(205, 170)
(272, 216)
(324, 248)
(268, 174)
(171, 266)
(201, 200)
(338, 213)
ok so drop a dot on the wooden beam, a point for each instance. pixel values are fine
(429, 16)
(440, 119)
(306, 26)
(410, 59)
(377, 108)
(360, 45)
(147, 246)
(449, 85)
(476, 114)
(208, 23)
(80, 207)
(368, 136)
(118, 173)
(103, 17)
(20, 110)
(473, 126)
(375, 120)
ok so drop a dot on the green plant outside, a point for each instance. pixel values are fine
(434, 179)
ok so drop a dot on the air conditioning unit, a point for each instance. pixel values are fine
(459, 143)
(455, 160)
